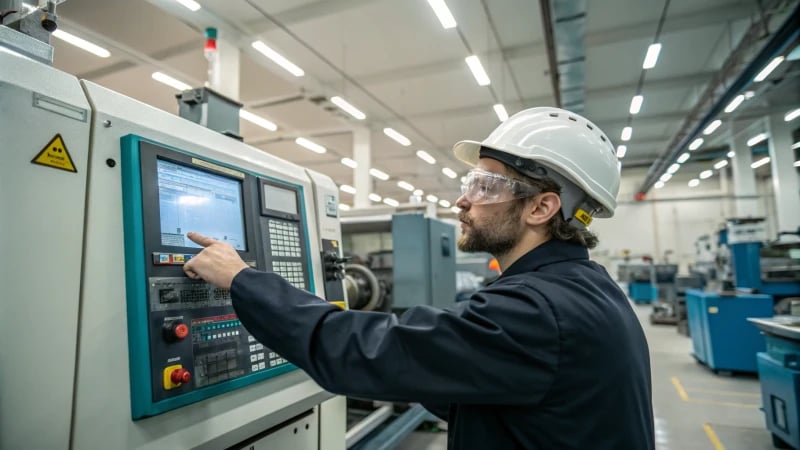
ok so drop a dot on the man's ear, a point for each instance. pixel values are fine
(542, 208)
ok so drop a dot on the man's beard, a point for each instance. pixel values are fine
(496, 235)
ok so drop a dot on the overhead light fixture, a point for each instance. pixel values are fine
(277, 58)
(477, 70)
(501, 112)
(374, 197)
(391, 202)
(651, 57)
(189, 4)
(761, 137)
(407, 186)
(636, 104)
(449, 172)
(760, 162)
(432, 198)
(349, 163)
(721, 164)
(455, 209)
(659, 184)
(731, 154)
(674, 168)
(706, 174)
(81, 43)
(626, 133)
(683, 158)
(257, 120)
(796, 163)
(443, 13)
(348, 108)
(444, 203)
(425, 156)
(666, 177)
(344, 207)
(314, 147)
(749, 94)
(621, 150)
(379, 174)
(791, 115)
(399, 138)
(768, 69)
(696, 144)
(169, 81)
(694, 182)
(734, 103)
(795, 146)
(419, 192)
(712, 127)
(28, 7)
(347, 188)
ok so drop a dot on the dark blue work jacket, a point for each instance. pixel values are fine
(549, 356)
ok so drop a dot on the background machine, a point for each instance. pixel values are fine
(107, 343)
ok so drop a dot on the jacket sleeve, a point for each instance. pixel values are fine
(501, 346)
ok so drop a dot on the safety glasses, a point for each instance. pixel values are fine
(482, 187)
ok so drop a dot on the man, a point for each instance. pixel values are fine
(549, 356)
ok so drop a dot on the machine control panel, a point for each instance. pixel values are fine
(186, 342)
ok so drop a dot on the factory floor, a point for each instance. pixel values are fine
(694, 408)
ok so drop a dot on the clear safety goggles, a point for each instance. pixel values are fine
(482, 187)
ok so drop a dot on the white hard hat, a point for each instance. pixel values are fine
(562, 141)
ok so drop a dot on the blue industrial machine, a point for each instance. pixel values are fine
(779, 372)
(642, 282)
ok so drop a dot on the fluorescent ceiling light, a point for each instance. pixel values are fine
(731, 154)
(190, 4)
(169, 81)
(734, 103)
(706, 174)
(796, 145)
(432, 198)
(477, 70)
(696, 144)
(712, 127)
(344, 207)
(796, 163)
(425, 156)
(419, 192)
(626, 133)
(721, 164)
(749, 94)
(379, 174)
(636, 104)
(768, 69)
(449, 172)
(501, 112)
(443, 13)
(621, 150)
(665, 177)
(760, 162)
(391, 202)
(347, 188)
(81, 43)
(348, 108)
(374, 197)
(694, 182)
(444, 203)
(683, 158)
(28, 7)
(791, 115)
(761, 137)
(407, 186)
(258, 120)
(314, 147)
(349, 163)
(277, 58)
(651, 57)
(399, 138)
(455, 209)
(674, 168)
(659, 184)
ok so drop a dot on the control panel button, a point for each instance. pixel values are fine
(175, 376)
(175, 331)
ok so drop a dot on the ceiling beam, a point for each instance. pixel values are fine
(175, 50)
(305, 13)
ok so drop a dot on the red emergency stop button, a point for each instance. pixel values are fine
(181, 331)
(175, 331)
(180, 376)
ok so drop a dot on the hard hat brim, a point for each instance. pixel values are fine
(468, 151)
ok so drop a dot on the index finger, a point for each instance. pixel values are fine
(199, 239)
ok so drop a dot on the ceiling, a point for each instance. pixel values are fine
(396, 63)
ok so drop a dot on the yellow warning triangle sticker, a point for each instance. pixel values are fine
(55, 155)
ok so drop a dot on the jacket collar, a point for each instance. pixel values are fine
(550, 252)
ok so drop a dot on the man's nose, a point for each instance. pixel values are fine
(463, 203)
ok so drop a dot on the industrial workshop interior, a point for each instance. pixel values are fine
(400, 224)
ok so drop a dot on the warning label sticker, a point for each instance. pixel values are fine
(55, 155)
(584, 217)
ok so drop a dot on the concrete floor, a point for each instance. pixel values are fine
(694, 408)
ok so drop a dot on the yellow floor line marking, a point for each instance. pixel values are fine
(714, 402)
(713, 437)
(679, 388)
(742, 394)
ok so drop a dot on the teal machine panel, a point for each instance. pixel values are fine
(185, 341)
(424, 265)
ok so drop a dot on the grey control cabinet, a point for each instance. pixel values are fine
(424, 261)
